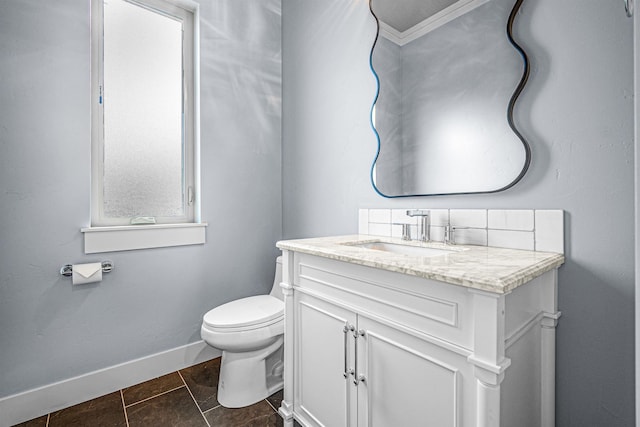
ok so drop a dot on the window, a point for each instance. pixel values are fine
(144, 114)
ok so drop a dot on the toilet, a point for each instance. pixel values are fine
(250, 333)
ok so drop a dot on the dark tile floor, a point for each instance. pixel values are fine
(184, 398)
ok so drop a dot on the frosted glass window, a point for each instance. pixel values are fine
(145, 156)
(142, 98)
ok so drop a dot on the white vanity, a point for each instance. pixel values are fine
(377, 336)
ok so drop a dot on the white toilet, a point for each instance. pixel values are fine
(250, 333)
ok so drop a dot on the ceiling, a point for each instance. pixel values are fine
(404, 14)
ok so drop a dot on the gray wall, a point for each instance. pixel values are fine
(154, 299)
(577, 113)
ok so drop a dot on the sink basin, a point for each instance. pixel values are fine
(404, 249)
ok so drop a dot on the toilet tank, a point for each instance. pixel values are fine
(276, 290)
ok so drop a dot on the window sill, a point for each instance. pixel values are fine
(130, 237)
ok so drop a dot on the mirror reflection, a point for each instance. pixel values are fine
(448, 79)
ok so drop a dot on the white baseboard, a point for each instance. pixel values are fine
(33, 403)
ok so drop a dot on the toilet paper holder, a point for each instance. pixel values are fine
(67, 269)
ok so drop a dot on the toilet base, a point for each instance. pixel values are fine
(247, 378)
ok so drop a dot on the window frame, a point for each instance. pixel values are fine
(186, 13)
(108, 238)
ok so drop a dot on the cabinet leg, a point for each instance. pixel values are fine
(488, 396)
(548, 391)
(286, 413)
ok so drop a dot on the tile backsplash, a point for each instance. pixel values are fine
(530, 229)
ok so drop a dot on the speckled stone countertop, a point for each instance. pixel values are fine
(491, 269)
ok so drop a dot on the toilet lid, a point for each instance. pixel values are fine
(244, 312)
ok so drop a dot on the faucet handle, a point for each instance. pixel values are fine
(450, 235)
(406, 230)
(449, 238)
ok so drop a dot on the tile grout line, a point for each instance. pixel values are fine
(272, 407)
(194, 399)
(211, 409)
(152, 397)
(269, 403)
(124, 408)
(48, 416)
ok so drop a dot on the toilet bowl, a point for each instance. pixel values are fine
(250, 333)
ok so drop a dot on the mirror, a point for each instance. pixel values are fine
(448, 77)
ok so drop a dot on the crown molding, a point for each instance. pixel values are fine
(431, 23)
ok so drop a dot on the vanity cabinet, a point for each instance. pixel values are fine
(370, 347)
(353, 370)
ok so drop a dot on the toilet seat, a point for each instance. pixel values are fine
(245, 314)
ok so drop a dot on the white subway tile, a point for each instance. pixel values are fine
(380, 216)
(549, 235)
(470, 236)
(380, 229)
(476, 218)
(396, 231)
(437, 233)
(400, 216)
(363, 221)
(511, 239)
(520, 220)
(541, 230)
(439, 217)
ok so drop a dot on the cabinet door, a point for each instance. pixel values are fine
(323, 353)
(407, 381)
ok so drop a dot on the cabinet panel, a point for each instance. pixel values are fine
(408, 382)
(427, 306)
(522, 388)
(323, 396)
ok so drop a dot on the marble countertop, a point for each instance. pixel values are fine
(491, 269)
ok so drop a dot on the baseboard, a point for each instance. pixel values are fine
(33, 403)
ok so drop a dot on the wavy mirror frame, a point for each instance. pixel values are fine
(512, 102)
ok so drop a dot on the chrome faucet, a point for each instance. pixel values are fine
(424, 224)
(406, 230)
(449, 236)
